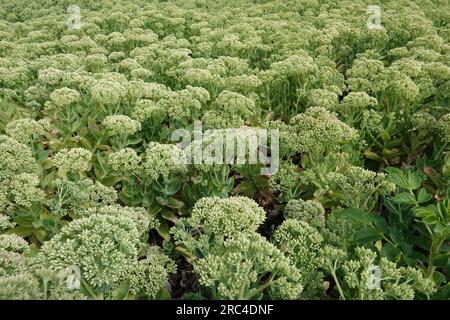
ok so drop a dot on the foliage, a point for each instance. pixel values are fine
(91, 179)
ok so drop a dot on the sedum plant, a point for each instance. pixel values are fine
(90, 174)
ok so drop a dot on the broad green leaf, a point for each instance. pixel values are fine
(395, 235)
(379, 222)
(368, 235)
(405, 198)
(390, 252)
(357, 215)
(423, 196)
(121, 291)
(163, 229)
(397, 177)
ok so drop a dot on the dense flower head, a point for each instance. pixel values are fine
(317, 128)
(95, 61)
(234, 103)
(121, 125)
(19, 287)
(92, 179)
(51, 76)
(15, 158)
(24, 130)
(357, 101)
(323, 98)
(227, 216)
(107, 92)
(444, 127)
(64, 97)
(5, 223)
(150, 274)
(75, 159)
(396, 282)
(103, 246)
(301, 243)
(162, 160)
(125, 160)
(309, 211)
(142, 220)
(24, 189)
(146, 109)
(240, 261)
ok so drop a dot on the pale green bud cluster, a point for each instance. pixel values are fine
(227, 216)
(301, 243)
(318, 129)
(146, 109)
(124, 160)
(25, 130)
(121, 125)
(75, 159)
(103, 246)
(108, 92)
(234, 268)
(64, 97)
(162, 160)
(309, 211)
(150, 274)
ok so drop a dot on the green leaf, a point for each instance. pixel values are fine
(121, 291)
(390, 252)
(379, 222)
(423, 196)
(441, 260)
(357, 215)
(174, 203)
(422, 212)
(172, 187)
(414, 179)
(22, 231)
(163, 294)
(395, 235)
(163, 229)
(169, 215)
(246, 188)
(373, 156)
(404, 198)
(368, 235)
(439, 277)
(397, 177)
